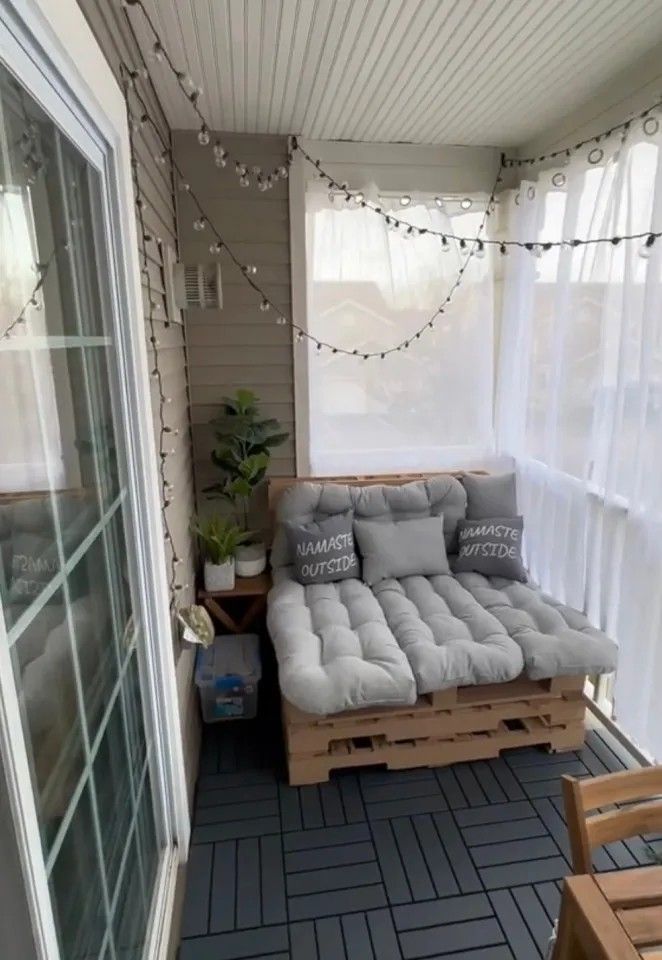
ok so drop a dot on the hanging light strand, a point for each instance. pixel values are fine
(473, 247)
(165, 431)
(393, 220)
(248, 174)
(32, 302)
(265, 181)
(650, 126)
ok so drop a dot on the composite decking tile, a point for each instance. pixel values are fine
(352, 799)
(484, 833)
(333, 878)
(519, 937)
(387, 809)
(458, 855)
(534, 916)
(338, 856)
(326, 837)
(434, 913)
(336, 902)
(513, 851)
(195, 912)
(212, 832)
(260, 942)
(495, 813)
(467, 861)
(437, 861)
(466, 935)
(532, 871)
(230, 812)
(450, 787)
(212, 797)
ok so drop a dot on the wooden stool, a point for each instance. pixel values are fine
(250, 593)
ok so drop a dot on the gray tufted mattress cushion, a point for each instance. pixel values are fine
(335, 650)
(343, 645)
(555, 640)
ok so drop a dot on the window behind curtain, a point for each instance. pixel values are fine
(595, 398)
(425, 407)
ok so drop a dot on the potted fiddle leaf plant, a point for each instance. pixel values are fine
(219, 539)
(244, 441)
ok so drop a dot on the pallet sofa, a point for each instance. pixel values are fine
(418, 671)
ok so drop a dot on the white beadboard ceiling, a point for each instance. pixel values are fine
(492, 72)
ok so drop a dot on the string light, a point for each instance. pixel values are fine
(476, 243)
(650, 127)
(32, 301)
(165, 430)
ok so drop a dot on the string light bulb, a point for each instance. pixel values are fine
(405, 200)
(199, 224)
(203, 135)
(646, 248)
(264, 305)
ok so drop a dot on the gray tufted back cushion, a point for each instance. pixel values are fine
(422, 498)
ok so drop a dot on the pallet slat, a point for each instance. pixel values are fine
(472, 723)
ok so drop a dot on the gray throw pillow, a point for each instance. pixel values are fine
(401, 548)
(492, 547)
(491, 495)
(323, 550)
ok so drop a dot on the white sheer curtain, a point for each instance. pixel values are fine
(369, 287)
(579, 405)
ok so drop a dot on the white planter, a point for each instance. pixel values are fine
(250, 559)
(219, 576)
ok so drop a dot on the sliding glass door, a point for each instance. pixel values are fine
(73, 625)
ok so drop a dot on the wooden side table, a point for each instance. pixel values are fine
(249, 593)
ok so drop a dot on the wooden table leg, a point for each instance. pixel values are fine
(567, 945)
(217, 611)
(253, 611)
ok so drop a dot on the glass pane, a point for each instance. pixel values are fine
(92, 621)
(149, 850)
(67, 539)
(130, 913)
(45, 678)
(133, 705)
(114, 794)
(76, 888)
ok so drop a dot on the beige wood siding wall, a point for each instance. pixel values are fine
(111, 28)
(239, 345)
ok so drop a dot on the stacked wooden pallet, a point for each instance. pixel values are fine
(465, 723)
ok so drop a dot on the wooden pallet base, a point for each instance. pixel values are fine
(466, 723)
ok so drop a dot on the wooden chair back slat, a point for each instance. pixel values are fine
(588, 831)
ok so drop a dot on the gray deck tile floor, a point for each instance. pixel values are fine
(461, 863)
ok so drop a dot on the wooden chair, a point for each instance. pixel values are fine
(589, 830)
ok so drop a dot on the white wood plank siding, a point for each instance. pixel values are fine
(109, 25)
(238, 346)
(476, 72)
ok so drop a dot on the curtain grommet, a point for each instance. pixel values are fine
(517, 199)
(651, 126)
(531, 192)
(559, 179)
(596, 155)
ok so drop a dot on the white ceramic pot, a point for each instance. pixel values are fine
(250, 559)
(219, 576)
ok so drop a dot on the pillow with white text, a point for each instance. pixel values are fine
(492, 547)
(323, 550)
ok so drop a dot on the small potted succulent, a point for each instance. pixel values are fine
(244, 442)
(219, 538)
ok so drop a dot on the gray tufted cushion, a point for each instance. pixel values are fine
(303, 502)
(555, 640)
(335, 650)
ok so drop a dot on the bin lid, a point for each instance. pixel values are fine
(235, 655)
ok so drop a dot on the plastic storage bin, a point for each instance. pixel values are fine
(227, 674)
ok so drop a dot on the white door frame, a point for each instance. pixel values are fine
(50, 48)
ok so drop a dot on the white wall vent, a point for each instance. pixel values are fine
(198, 285)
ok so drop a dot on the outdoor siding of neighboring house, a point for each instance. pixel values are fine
(113, 33)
